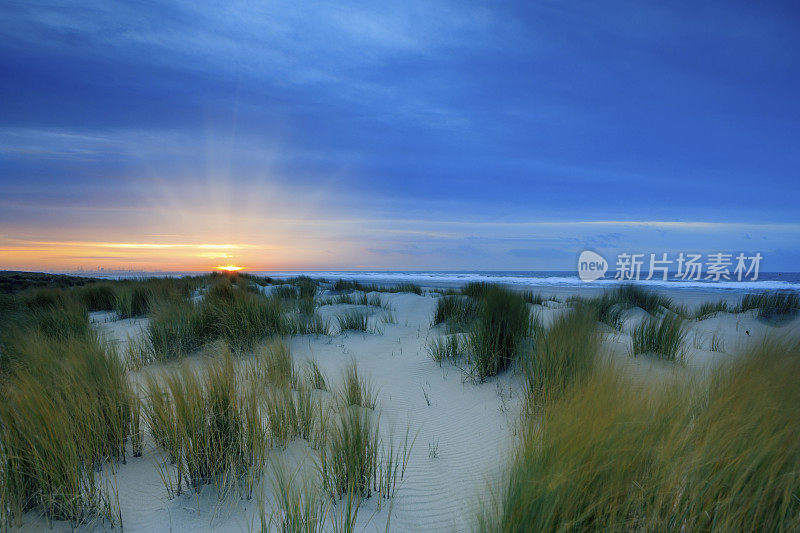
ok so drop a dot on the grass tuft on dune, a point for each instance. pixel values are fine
(613, 454)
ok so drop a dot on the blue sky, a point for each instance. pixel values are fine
(400, 135)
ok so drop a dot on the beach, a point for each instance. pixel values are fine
(465, 431)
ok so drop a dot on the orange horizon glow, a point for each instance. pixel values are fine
(229, 268)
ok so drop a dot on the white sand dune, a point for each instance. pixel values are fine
(471, 426)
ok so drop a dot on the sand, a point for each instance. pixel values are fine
(465, 431)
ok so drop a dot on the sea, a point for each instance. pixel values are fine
(520, 279)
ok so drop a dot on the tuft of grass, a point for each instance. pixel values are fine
(607, 309)
(708, 309)
(98, 296)
(273, 365)
(62, 415)
(593, 463)
(662, 336)
(457, 311)
(614, 455)
(285, 292)
(209, 426)
(356, 389)
(477, 289)
(406, 287)
(744, 457)
(355, 319)
(309, 324)
(281, 415)
(445, 348)
(300, 505)
(227, 313)
(563, 355)
(349, 461)
(306, 287)
(314, 376)
(534, 298)
(173, 330)
(494, 338)
(635, 296)
(132, 300)
(771, 304)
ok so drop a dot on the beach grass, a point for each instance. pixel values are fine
(771, 304)
(301, 507)
(354, 319)
(315, 377)
(458, 312)
(356, 389)
(64, 413)
(210, 427)
(662, 336)
(563, 355)
(613, 454)
(349, 459)
(308, 324)
(445, 348)
(708, 309)
(495, 336)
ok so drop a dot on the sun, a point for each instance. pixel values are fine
(229, 268)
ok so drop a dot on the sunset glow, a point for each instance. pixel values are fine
(229, 268)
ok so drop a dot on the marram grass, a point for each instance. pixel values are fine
(495, 336)
(210, 426)
(614, 454)
(562, 355)
(62, 414)
(662, 336)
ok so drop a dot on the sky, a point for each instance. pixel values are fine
(446, 135)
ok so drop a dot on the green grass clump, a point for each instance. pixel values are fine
(242, 320)
(406, 287)
(273, 365)
(300, 505)
(349, 460)
(227, 313)
(209, 425)
(607, 309)
(343, 285)
(495, 336)
(312, 324)
(661, 336)
(356, 389)
(29, 334)
(285, 292)
(635, 296)
(457, 311)
(174, 329)
(476, 289)
(63, 413)
(708, 309)
(355, 319)
(534, 298)
(282, 419)
(744, 455)
(771, 304)
(613, 454)
(98, 296)
(306, 287)
(132, 300)
(445, 348)
(593, 463)
(314, 376)
(563, 355)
